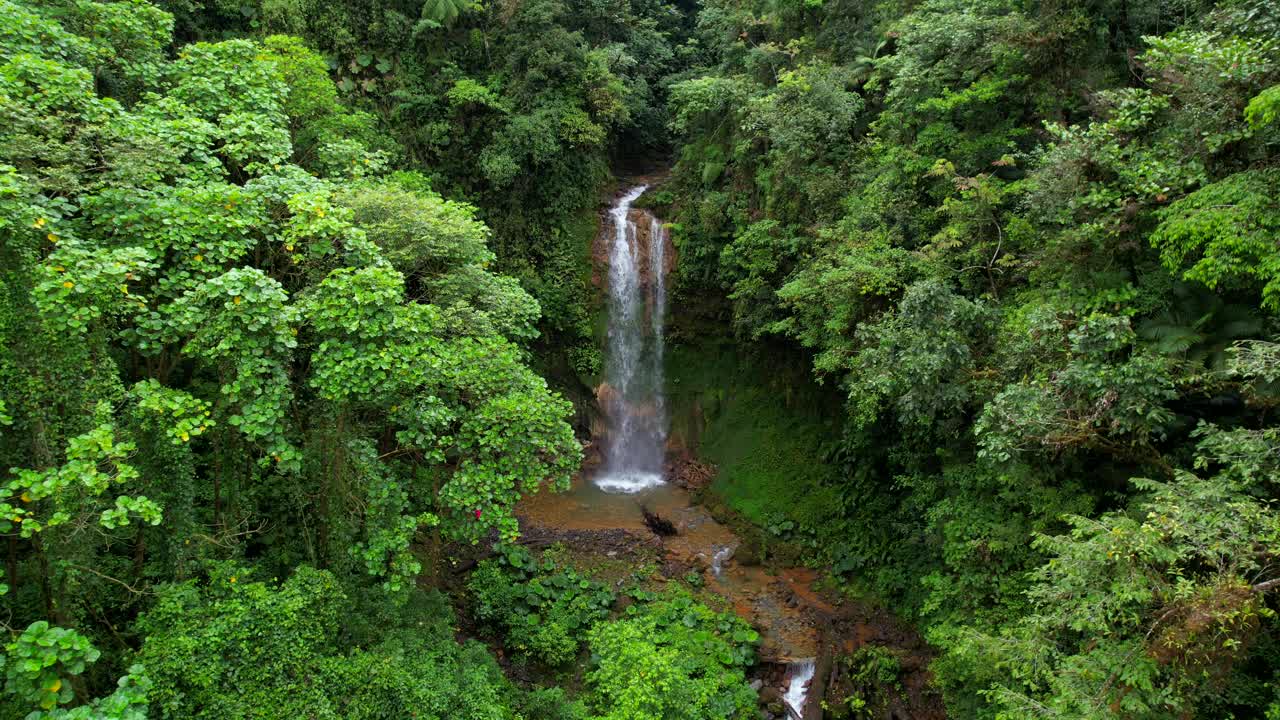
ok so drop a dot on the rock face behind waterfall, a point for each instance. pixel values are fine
(643, 220)
(646, 225)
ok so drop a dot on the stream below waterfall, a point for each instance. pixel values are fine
(627, 474)
(635, 462)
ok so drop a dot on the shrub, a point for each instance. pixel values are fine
(673, 658)
(541, 609)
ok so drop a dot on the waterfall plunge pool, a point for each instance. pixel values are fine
(628, 482)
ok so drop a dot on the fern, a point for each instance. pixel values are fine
(1199, 326)
(440, 13)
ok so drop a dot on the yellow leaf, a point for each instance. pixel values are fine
(236, 300)
(52, 238)
(289, 247)
(320, 212)
(233, 579)
(68, 284)
(39, 223)
(56, 686)
(199, 258)
(26, 496)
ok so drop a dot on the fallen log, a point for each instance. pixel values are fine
(658, 524)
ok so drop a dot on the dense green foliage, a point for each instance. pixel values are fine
(673, 658)
(517, 106)
(240, 648)
(230, 334)
(537, 607)
(275, 275)
(1021, 240)
(667, 657)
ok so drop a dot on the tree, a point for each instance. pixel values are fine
(1142, 613)
(1224, 232)
(206, 356)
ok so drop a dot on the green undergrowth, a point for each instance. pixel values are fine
(540, 608)
(865, 682)
(568, 353)
(767, 428)
(239, 646)
(635, 653)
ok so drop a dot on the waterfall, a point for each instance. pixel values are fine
(800, 673)
(631, 396)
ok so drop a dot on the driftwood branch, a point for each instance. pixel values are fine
(658, 524)
(1265, 586)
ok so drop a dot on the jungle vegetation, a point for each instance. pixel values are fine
(295, 300)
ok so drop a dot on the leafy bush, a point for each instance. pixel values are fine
(236, 648)
(869, 676)
(674, 658)
(541, 609)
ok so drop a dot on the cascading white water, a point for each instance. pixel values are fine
(658, 318)
(800, 673)
(634, 448)
(718, 560)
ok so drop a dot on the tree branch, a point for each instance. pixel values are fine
(1265, 586)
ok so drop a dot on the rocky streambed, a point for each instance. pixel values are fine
(806, 633)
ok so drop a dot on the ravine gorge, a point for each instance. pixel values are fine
(640, 360)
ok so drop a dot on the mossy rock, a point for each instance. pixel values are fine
(749, 553)
(764, 423)
(715, 508)
(785, 554)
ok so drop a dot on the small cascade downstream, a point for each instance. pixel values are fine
(718, 560)
(632, 393)
(799, 676)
